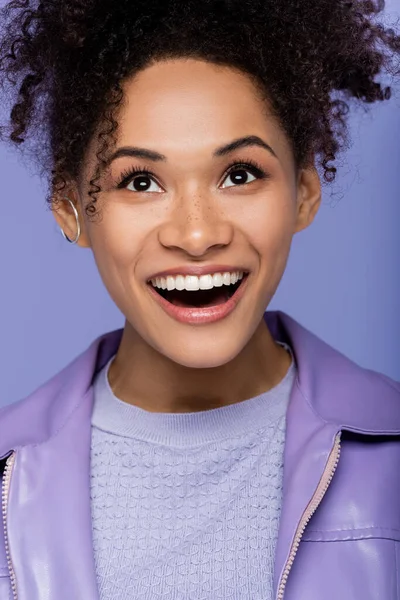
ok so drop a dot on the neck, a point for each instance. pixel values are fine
(261, 365)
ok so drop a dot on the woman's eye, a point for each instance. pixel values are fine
(239, 176)
(143, 183)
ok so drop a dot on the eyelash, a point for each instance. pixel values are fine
(250, 165)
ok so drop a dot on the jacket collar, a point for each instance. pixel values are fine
(338, 391)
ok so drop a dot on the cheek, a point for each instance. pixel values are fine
(269, 225)
(117, 243)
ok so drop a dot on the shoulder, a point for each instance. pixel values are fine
(40, 415)
(339, 390)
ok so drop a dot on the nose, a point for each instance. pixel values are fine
(196, 225)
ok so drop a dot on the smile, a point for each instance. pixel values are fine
(199, 299)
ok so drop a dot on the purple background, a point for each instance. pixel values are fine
(342, 280)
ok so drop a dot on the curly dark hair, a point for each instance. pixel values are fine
(63, 63)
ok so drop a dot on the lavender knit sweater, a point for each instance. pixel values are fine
(186, 506)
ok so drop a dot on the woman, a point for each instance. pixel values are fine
(208, 450)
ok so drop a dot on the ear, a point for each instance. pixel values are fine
(308, 197)
(66, 218)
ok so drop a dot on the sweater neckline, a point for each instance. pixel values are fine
(117, 417)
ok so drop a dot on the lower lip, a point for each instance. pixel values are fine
(199, 316)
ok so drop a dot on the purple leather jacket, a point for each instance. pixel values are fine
(339, 535)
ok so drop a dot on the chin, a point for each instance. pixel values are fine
(205, 353)
(202, 361)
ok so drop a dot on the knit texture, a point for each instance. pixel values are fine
(186, 506)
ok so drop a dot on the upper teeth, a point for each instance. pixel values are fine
(193, 283)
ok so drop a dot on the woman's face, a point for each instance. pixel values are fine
(221, 200)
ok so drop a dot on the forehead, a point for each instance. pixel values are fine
(188, 102)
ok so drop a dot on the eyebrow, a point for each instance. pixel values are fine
(135, 152)
(243, 142)
(145, 153)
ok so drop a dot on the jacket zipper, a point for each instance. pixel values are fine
(4, 504)
(331, 466)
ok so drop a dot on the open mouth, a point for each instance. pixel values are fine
(205, 291)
